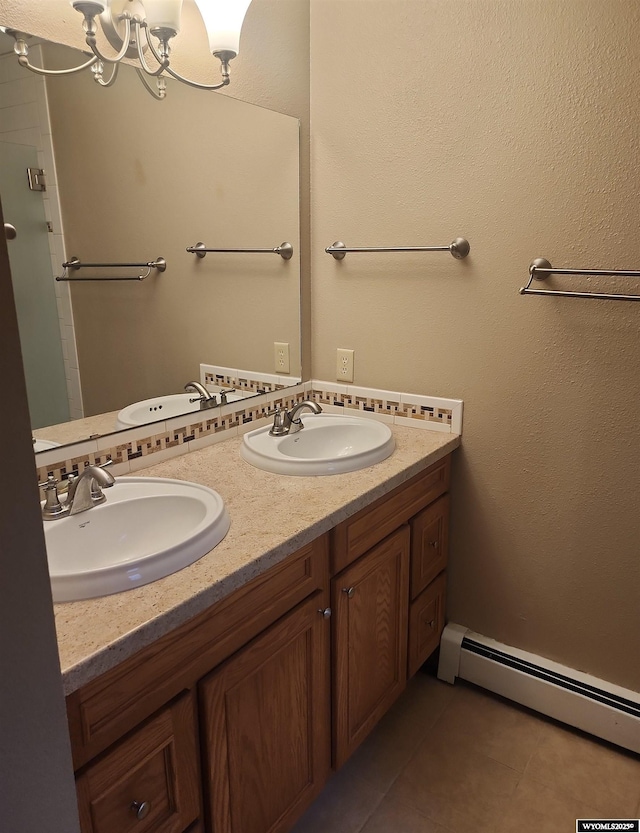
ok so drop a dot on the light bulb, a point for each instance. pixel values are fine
(163, 14)
(223, 20)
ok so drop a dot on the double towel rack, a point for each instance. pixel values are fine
(74, 264)
(540, 269)
(285, 250)
(459, 248)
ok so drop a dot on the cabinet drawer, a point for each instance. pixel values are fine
(357, 534)
(429, 544)
(103, 710)
(148, 783)
(426, 623)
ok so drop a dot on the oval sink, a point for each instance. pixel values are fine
(44, 445)
(161, 407)
(148, 528)
(328, 444)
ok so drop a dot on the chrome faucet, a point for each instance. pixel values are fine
(82, 492)
(206, 399)
(289, 421)
(85, 491)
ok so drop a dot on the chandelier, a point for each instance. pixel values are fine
(141, 32)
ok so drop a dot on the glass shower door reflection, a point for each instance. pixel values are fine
(33, 288)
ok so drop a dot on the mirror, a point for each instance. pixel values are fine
(139, 179)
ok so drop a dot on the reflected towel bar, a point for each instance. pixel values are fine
(285, 250)
(459, 248)
(159, 263)
(540, 269)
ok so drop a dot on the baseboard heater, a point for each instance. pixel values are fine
(588, 703)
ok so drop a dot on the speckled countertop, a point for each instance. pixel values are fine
(271, 517)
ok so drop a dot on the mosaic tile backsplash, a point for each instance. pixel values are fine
(140, 447)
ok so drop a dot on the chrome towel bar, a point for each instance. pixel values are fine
(540, 269)
(159, 263)
(285, 250)
(459, 248)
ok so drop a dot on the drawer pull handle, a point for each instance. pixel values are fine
(349, 591)
(326, 612)
(431, 623)
(141, 809)
(434, 544)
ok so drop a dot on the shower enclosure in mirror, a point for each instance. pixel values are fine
(136, 179)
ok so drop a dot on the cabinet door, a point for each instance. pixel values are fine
(429, 544)
(370, 603)
(149, 782)
(266, 725)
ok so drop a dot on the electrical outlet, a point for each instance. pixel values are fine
(281, 356)
(344, 365)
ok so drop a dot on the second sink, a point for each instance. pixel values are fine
(328, 444)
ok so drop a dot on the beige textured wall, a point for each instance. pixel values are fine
(514, 123)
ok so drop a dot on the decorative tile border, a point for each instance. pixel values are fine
(244, 381)
(137, 448)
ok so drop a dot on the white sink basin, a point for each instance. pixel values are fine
(161, 407)
(328, 444)
(148, 528)
(44, 445)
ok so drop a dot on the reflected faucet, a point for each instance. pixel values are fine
(206, 399)
(289, 421)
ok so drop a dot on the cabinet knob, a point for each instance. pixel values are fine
(349, 591)
(141, 809)
(433, 544)
(326, 612)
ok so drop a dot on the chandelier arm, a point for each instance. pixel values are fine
(92, 44)
(22, 51)
(163, 62)
(225, 81)
(148, 86)
(114, 74)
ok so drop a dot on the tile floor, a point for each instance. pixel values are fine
(457, 759)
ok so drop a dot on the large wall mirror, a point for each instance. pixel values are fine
(139, 179)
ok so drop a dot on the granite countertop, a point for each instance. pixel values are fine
(271, 515)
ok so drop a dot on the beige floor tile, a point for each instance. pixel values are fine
(394, 817)
(535, 808)
(384, 754)
(454, 786)
(491, 726)
(344, 806)
(423, 702)
(589, 770)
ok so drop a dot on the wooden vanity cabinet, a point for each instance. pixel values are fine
(230, 722)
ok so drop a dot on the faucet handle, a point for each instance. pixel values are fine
(52, 507)
(279, 426)
(223, 395)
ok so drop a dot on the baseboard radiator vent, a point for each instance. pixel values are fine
(595, 706)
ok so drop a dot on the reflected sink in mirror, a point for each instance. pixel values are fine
(328, 444)
(43, 445)
(162, 407)
(148, 528)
